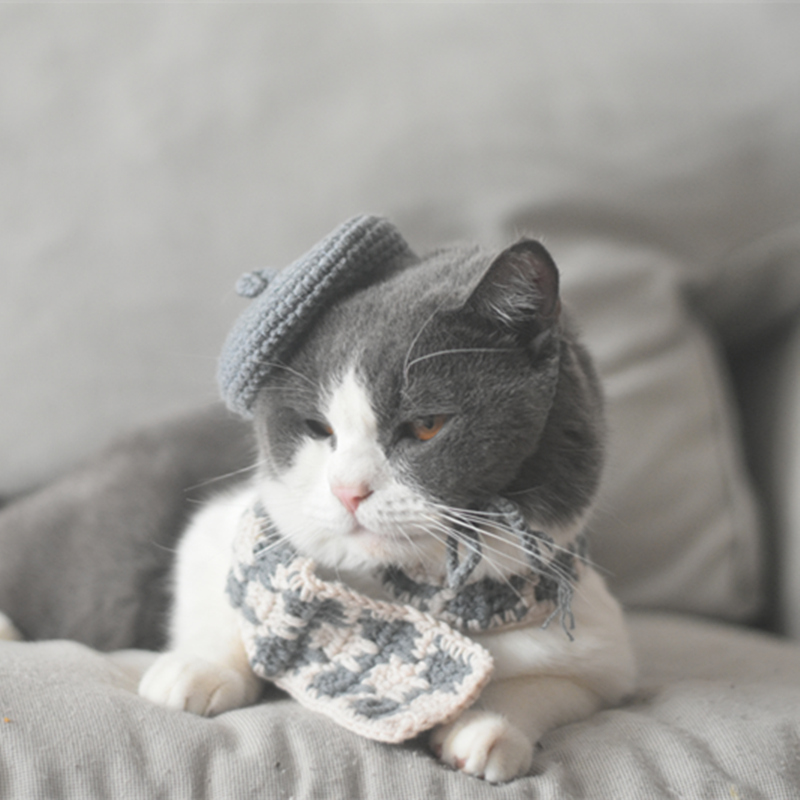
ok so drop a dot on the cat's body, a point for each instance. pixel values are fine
(407, 406)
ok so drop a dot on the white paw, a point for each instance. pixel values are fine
(186, 683)
(7, 630)
(485, 745)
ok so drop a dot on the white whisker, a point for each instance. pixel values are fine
(218, 478)
(508, 535)
(416, 339)
(480, 517)
(488, 557)
(458, 350)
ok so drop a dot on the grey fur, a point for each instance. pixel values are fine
(434, 338)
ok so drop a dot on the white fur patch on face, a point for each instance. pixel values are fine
(357, 459)
(340, 502)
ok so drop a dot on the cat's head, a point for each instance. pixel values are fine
(414, 401)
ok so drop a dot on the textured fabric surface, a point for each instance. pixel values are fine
(383, 670)
(358, 251)
(716, 716)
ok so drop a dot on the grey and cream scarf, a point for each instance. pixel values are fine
(389, 670)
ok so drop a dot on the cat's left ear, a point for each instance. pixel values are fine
(519, 291)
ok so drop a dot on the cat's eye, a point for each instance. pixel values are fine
(425, 428)
(319, 430)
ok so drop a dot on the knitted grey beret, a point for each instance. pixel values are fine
(286, 303)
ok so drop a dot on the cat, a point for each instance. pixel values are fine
(407, 406)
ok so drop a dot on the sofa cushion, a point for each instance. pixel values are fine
(72, 727)
(675, 524)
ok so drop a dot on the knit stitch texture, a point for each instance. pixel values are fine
(386, 670)
(383, 670)
(286, 303)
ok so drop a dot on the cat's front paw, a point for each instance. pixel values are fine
(186, 683)
(7, 630)
(485, 745)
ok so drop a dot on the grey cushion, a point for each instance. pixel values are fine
(87, 557)
(716, 716)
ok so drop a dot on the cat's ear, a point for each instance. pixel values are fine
(519, 291)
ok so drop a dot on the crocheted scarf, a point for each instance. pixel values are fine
(388, 670)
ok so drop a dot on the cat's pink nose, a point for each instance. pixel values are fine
(351, 496)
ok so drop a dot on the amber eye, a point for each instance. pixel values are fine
(319, 430)
(425, 428)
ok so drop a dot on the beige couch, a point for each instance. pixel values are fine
(150, 154)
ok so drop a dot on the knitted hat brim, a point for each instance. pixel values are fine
(285, 305)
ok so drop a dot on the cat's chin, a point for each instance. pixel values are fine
(378, 548)
(355, 546)
(360, 548)
(375, 548)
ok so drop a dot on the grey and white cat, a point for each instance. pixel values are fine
(406, 407)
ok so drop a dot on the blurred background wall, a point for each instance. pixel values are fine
(151, 153)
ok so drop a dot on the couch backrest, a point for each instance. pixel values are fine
(151, 154)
